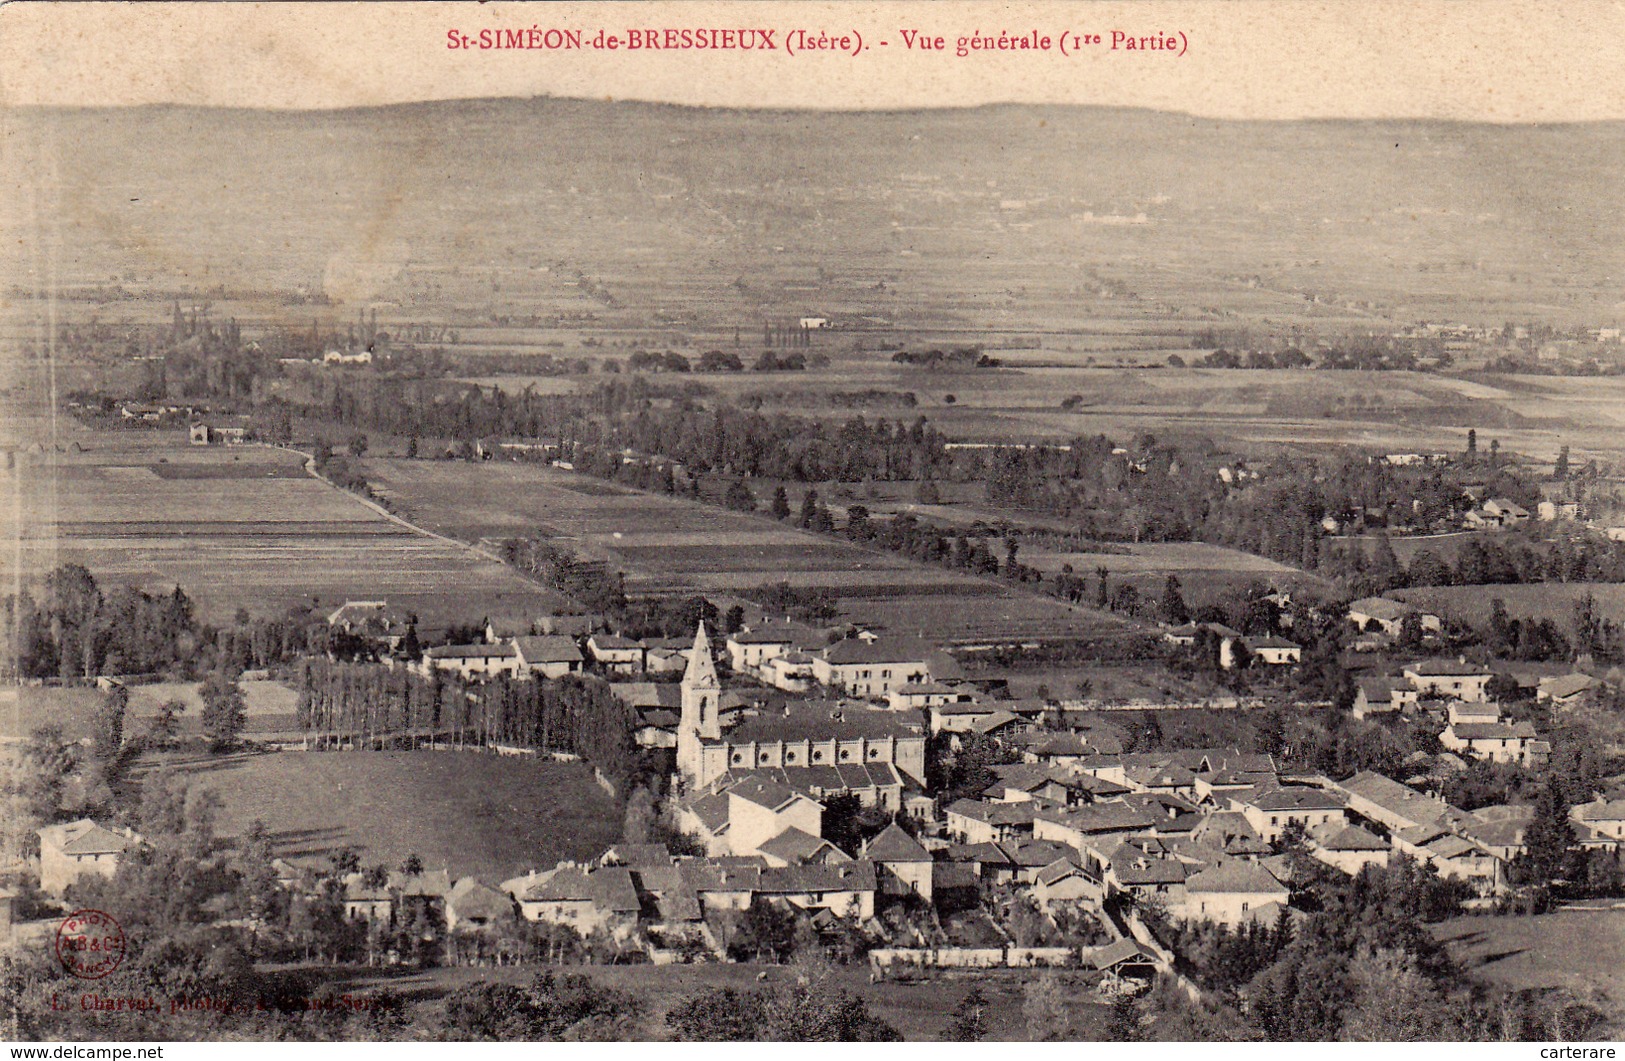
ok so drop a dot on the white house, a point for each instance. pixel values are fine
(616, 654)
(74, 850)
(1275, 651)
(548, 656)
(1380, 613)
(1232, 893)
(1270, 810)
(1498, 742)
(759, 810)
(871, 669)
(473, 661)
(1450, 678)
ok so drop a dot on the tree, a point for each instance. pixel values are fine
(357, 445)
(1472, 445)
(167, 720)
(969, 1023)
(412, 865)
(809, 510)
(781, 503)
(739, 497)
(1548, 840)
(412, 448)
(1174, 611)
(223, 711)
(1560, 470)
(109, 736)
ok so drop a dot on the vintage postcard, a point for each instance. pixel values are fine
(812, 522)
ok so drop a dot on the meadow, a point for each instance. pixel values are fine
(488, 816)
(268, 705)
(236, 527)
(1575, 949)
(1539, 600)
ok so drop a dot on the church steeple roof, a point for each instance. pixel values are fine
(702, 671)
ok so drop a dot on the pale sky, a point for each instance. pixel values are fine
(1476, 60)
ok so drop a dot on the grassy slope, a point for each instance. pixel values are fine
(473, 814)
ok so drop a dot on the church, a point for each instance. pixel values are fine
(820, 747)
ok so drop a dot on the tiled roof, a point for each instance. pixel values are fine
(547, 649)
(775, 634)
(1031, 853)
(1106, 817)
(816, 878)
(853, 651)
(994, 813)
(797, 845)
(835, 777)
(895, 845)
(609, 888)
(1060, 869)
(504, 651)
(469, 898)
(1381, 608)
(1150, 871)
(85, 837)
(766, 793)
(1446, 668)
(1296, 798)
(1235, 876)
(1347, 838)
(1492, 730)
(816, 722)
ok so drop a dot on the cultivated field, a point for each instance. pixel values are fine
(473, 813)
(670, 545)
(236, 527)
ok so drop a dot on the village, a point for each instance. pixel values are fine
(858, 796)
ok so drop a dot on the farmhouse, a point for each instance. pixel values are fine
(1348, 847)
(871, 669)
(1604, 817)
(1275, 651)
(590, 901)
(616, 654)
(925, 695)
(74, 850)
(473, 661)
(750, 649)
(548, 656)
(1270, 810)
(1232, 893)
(473, 906)
(1381, 695)
(1450, 678)
(1568, 690)
(1388, 616)
(1498, 742)
(1550, 511)
(905, 866)
(972, 821)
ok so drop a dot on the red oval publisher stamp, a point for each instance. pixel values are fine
(90, 944)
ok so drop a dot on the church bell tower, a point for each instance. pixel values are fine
(700, 719)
